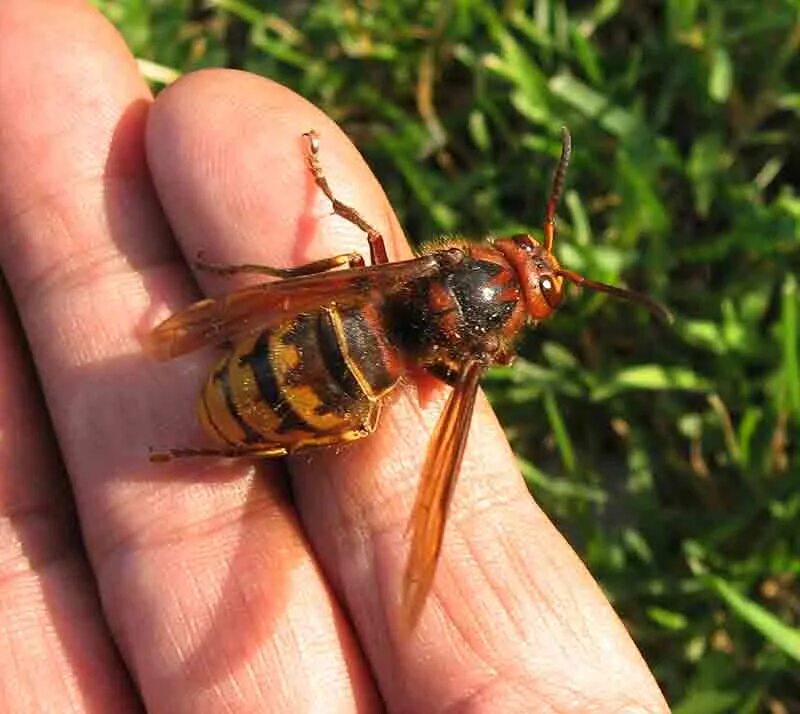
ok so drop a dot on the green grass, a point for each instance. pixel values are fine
(668, 456)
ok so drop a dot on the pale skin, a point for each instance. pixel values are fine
(213, 586)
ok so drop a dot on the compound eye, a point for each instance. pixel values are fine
(523, 240)
(550, 291)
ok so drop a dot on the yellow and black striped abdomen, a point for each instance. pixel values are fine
(318, 375)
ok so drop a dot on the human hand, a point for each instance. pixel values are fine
(212, 586)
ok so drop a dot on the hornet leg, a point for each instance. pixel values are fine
(377, 246)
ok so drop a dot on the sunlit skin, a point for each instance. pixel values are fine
(220, 591)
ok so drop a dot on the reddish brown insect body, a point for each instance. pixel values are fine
(314, 355)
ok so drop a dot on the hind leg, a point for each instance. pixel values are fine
(253, 451)
(377, 246)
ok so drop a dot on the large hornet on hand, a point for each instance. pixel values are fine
(312, 356)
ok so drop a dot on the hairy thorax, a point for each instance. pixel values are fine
(473, 309)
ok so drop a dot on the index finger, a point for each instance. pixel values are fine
(515, 620)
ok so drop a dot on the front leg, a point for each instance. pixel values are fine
(377, 246)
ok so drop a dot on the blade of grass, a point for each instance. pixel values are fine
(791, 363)
(563, 442)
(652, 377)
(561, 488)
(157, 73)
(784, 637)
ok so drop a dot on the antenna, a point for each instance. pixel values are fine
(557, 189)
(655, 308)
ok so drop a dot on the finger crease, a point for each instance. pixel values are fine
(34, 537)
(100, 252)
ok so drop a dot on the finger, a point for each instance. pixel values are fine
(204, 574)
(56, 653)
(515, 619)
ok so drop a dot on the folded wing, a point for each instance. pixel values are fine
(267, 305)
